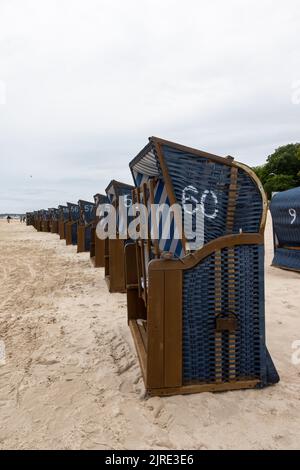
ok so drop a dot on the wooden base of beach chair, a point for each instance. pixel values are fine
(61, 230)
(45, 226)
(54, 226)
(158, 329)
(99, 261)
(68, 232)
(135, 304)
(114, 265)
(81, 239)
(139, 333)
(92, 245)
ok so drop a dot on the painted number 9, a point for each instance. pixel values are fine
(293, 214)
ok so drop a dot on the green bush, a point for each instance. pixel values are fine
(282, 170)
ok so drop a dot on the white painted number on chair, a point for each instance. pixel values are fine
(214, 214)
(293, 214)
(189, 200)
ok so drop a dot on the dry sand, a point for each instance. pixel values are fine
(72, 379)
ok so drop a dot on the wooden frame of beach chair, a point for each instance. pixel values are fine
(63, 218)
(71, 225)
(197, 315)
(87, 214)
(285, 211)
(114, 248)
(45, 220)
(97, 245)
(29, 218)
(38, 221)
(54, 217)
(34, 219)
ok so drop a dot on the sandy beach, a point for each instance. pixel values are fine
(72, 379)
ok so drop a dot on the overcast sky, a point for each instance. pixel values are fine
(83, 83)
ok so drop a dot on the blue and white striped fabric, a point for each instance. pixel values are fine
(146, 166)
(171, 244)
(115, 191)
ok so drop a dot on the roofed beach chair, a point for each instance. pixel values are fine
(196, 311)
(46, 220)
(29, 218)
(87, 213)
(39, 221)
(63, 218)
(114, 247)
(71, 225)
(54, 217)
(35, 219)
(97, 245)
(285, 210)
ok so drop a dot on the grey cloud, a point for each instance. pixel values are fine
(88, 81)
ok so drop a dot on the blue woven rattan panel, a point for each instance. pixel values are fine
(87, 212)
(213, 179)
(248, 211)
(74, 212)
(287, 258)
(74, 234)
(285, 210)
(187, 171)
(199, 310)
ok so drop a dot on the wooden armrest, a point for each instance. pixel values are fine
(191, 260)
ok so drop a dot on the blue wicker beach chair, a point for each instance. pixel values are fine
(114, 248)
(29, 218)
(63, 218)
(35, 217)
(285, 210)
(97, 245)
(53, 220)
(87, 214)
(196, 309)
(38, 220)
(71, 225)
(46, 220)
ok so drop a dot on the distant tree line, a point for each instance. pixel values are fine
(282, 169)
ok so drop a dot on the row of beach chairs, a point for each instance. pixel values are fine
(196, 312)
